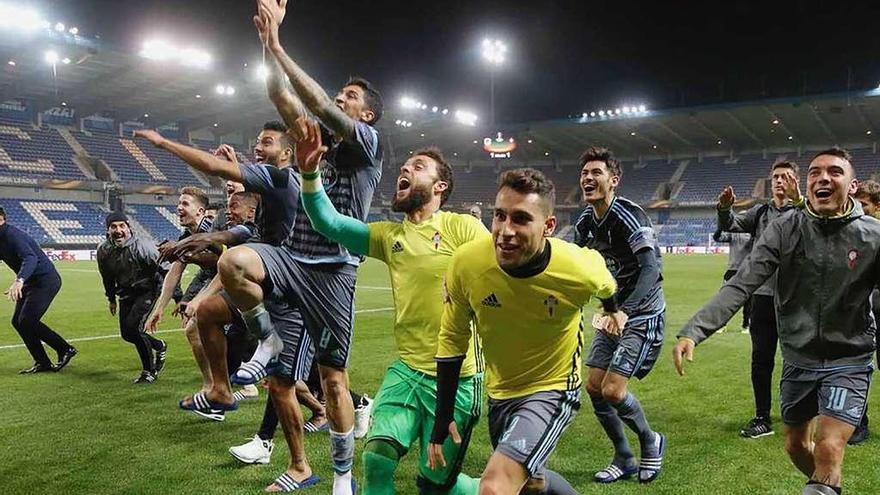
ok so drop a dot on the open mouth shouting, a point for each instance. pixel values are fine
(403, 185)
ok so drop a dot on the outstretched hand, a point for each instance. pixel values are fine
(150, 135)
(309, 150)
(270, 13)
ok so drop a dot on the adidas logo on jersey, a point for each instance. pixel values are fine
(397, 247)
(491, 301)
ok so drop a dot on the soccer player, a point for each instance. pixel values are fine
(622, 233)
(35, 287)
(525, 292)
(191, 205)
(131, 272)
(868, 194)
(417, 252)
(740, 247)
(762, 320)
(825, 258)
(277, 182)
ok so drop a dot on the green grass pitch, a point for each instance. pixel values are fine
(89, 430)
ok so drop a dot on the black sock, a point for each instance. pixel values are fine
(270, 421)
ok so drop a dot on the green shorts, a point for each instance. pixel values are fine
(403, 412)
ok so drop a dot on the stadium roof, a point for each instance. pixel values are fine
(102, 79)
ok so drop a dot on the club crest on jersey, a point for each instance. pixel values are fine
(436, 240)
(851, 257)
(550, 303)
(329, 175)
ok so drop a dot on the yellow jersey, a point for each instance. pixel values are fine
(531, 328)
(417, 256)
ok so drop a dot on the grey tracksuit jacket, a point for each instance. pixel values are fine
(827, 268)
(131, 269)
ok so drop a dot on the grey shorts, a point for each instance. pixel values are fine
(634, 353)
(296, 357)
(527, 429)
(840, 393)
(324, 295)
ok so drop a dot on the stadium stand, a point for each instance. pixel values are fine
(35, 153)
(160, 221)
(58, 222)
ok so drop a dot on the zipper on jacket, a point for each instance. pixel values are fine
(823, 266)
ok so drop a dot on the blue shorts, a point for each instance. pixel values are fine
(633, 353)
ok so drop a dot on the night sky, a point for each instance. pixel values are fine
(565, 57)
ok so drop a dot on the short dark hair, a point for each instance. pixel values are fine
(2, 213)
(198, 194)
(604, 155)
(835, 151)
(869, 189)
(278, 126)
(372, 97)
(793, 166)
(444, 169)
(214, 206)
(247, 197)
(528, 181)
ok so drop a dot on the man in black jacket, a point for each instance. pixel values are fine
(131, 272)
(35, 287)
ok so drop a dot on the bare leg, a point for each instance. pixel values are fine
(282, 392)
(799, 446)
(195, 343)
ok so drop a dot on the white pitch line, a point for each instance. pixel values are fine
(116, 335)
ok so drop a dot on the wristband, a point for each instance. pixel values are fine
(311, 175)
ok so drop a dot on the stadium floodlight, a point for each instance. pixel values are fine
(633, 133)
(397, 122)
(617, 111)
(230, 91)
(529, 141)
(74, 30)
(626, 110)
(146, 115)
(654, 146)
(193, 57)
(51, 57)
(216, 124)
(198, 96)
(408, 103)
(592, 114)
(59, 27)
(719, 141)
(493, 51)
(262, 72)
(445, 111)
(642, 108)
(160, 50)
(584, 115)
(409, 124)
(65, 60)
(11, 62)
(609, 112)
(775, 122)
(220, 89)
(601, 113)
(868, 132)
(19, 18)
(546, 153)
(434, 109)
(465, 117)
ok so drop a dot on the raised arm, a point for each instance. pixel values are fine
(200, 160)
(289, 106)
(350, 232)
(312, 95)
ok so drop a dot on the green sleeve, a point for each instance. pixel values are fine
(350, 232)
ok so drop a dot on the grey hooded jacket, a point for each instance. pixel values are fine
(827, 268)
(131, 269)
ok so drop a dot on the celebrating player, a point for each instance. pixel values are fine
(621, 231)
(417, 252)
(525, 292)
(826, 261)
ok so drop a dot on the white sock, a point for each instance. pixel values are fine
(342, 484)
(268, 349)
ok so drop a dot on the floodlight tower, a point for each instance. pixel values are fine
(494, 51)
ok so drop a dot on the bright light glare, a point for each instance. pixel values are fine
(162, 50)
(230, 91)
(409, 103)
(642, 108)
(18, 18)
(262, 72)
(74, 30)
(465, 117)
(65, 61)
(51, 57)
(220, 89)
(59, 27)
(493, 51)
